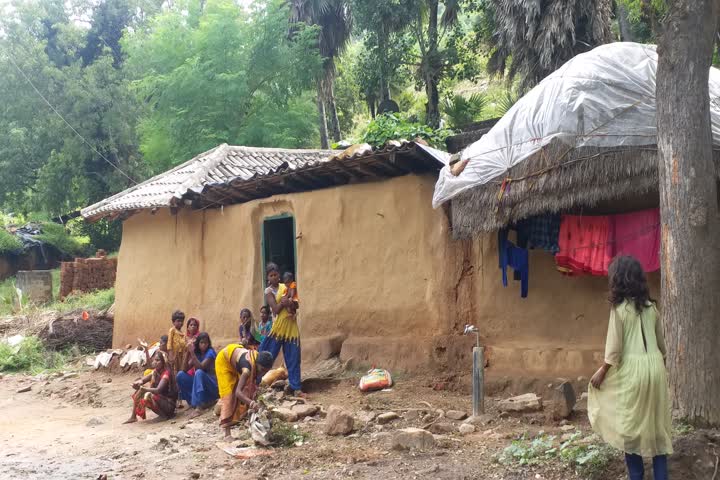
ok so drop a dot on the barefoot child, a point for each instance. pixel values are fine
(176, 341)
(160, 396)
(150, 351)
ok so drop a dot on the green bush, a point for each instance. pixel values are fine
(393, 126)
(29, 356)
(56, 235)
(9, 243)
(587, 459)
(462, 111)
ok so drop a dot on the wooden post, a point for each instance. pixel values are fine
(478, 379)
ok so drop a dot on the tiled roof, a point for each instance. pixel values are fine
(232, 174)
(217, 166)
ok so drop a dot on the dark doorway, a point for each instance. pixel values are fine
(278, 243)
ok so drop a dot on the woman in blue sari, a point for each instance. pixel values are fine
(199, 389)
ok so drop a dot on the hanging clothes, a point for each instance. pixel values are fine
(540, 232)
(584, 245)
(638, 234)
(516, 258)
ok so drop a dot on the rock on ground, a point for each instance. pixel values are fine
(563, 401)
(484, 419)
(528, 402)
(367, 416)
(387, 417)
(442, 427)
(305, 410)
(455, 415)
(338, 421)
(285, 414)
(466, 429)
(413, 439)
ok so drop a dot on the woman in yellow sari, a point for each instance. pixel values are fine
(238, 371)
(284, 332)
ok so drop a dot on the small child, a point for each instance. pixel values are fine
(176, 343)
(246, 334)
(265, 322)
(292, 293)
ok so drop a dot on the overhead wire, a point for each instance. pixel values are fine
(47, 102)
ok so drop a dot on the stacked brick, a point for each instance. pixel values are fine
(87, 274)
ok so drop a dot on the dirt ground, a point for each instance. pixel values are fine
(70, 427)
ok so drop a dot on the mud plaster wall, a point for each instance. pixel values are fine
(380, 282)
(376, 271)
(559, 329)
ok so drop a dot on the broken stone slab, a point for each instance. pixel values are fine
(305, 410)
(562, 398)
(366, 417)
(413, 439)
(567, 428)
(528, 402)
(455, 415)
(483, 420)
(24, 389)
(285, 414)
(466, 429)
(442, 427)
(387, 417)
(581, 405)
(279, 384)
(382, 439)
(338, 421)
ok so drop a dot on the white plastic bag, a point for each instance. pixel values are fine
(260, 428)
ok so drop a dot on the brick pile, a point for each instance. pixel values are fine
(87, 274)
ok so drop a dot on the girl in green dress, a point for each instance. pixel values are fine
(628, 396)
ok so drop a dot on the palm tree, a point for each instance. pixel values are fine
(536, 41)
(335, 22)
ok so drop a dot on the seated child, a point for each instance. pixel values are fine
(265, 322)
(292, 293)
(246, 329)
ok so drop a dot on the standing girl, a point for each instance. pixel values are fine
(284, 332)
(628, 396)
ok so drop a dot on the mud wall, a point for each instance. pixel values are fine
(375, 270)
(380, 280)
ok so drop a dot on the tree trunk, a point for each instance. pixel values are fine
(689, 210)
(334, 120)
(432, 116)
(626, 33)
(321, 116)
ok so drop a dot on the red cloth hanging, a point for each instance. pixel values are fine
(585, 245)
(638, 234)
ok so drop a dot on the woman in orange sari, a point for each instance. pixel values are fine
(160, 396)
(238, 371)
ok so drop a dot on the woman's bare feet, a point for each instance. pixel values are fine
(196, 412)
(132, 419)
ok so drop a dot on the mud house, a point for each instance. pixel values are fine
(382, 279)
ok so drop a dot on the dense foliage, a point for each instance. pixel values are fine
(100, 94)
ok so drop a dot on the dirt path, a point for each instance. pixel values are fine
(71, 428)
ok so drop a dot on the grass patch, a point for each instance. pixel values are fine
(9, 243)
(587, 459)
(31, 356)
(682, 428)
(286, 435)
(99, 300)
(58, 236)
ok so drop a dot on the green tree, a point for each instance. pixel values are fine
(78, 146)
(333, 19)
(531, 42)
(217, 74)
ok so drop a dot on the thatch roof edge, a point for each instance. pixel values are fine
(556, 180)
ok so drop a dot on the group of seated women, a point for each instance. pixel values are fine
(203, 376)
